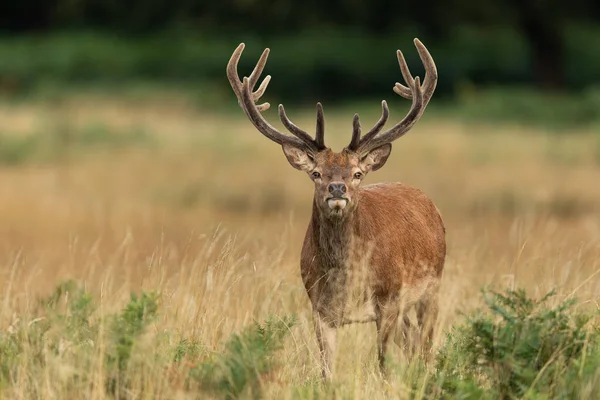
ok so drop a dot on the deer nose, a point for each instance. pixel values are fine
(337, 189)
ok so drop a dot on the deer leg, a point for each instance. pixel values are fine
(427, 314)
(386, 320)
(406, 337)
(327, 339)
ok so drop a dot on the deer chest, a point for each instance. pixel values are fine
(345, 296)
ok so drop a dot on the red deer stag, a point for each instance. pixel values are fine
(370, 253)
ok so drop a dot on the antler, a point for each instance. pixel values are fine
(420, 96)
(247, 99)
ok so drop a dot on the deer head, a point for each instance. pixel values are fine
(336, 176)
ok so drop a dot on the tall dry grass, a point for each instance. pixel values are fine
(211, 217)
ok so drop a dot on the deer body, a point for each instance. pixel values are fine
(374, 265)
(394, 228)
(372, 252)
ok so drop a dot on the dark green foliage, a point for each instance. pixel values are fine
(246, 359)
(68, 329)
(332, 64)
(63, 324)
(124, 333)
(129, 325)
(484, 74)
(517, 348)
(69, 310)
(272, 18)
(188, 350)
(521, 348)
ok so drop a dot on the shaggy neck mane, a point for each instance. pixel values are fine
(333, 236)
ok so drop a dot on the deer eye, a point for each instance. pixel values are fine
(358, 175)
(316, 175)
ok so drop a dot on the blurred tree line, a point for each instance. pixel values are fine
(549, 37)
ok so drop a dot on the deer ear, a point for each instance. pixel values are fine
(298, 158)
(376, 158)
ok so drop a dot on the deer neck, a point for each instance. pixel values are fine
(334, 237)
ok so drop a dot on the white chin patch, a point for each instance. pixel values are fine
(337, 204)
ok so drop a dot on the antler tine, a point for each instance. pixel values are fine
(320, 129)
(398, 87)
(260, 66)
(299, 133)
(420, 96)
(247, 100)
(236, 84)
(431, 77)
(355, 141)
(261, 89)
(403, 126)
(319, 141)
(385, 114)
(253, 113)
(232, 74)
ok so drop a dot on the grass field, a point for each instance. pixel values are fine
(203, 215)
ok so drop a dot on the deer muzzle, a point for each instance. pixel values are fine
(337, 203)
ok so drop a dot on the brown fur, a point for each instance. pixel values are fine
(403, 237)
(402, 223)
